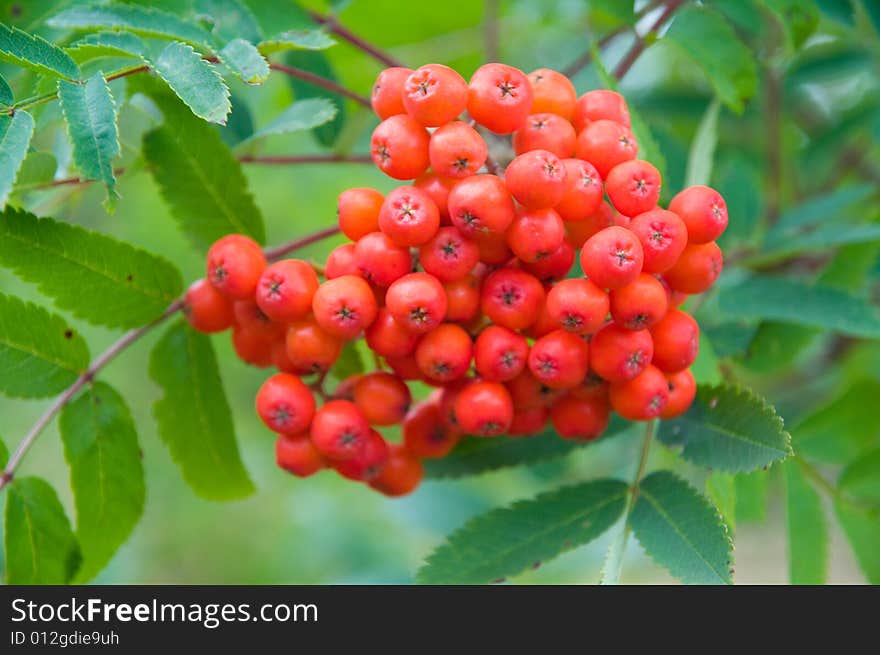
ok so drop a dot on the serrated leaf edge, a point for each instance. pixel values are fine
(26, 63)
(214, 72)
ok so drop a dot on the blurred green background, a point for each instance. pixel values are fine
(328, 530)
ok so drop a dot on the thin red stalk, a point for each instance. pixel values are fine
(345, 34)
(641, 41)
(305, 159)
(322, 82)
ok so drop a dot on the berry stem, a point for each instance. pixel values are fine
(116, 349)
(641, 42)
(305, 159)
(773, 91)
(334, 27)
(614, 557)
(490, 29)
(322, 82)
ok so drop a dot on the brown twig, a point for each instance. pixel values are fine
(322, 82)
(773, 91)
(490, 29)
(641, 42)
(305, 159)
(118, 347)
(333, 25)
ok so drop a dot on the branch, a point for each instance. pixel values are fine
(773, 90)
(322, 82)
(490, 29)
(333, 25)
(641, 42)
(305, 159)
(117, 348)
(614, 557)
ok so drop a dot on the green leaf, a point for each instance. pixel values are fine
(296, 40)
(39, 544)
(728, 428)
(200, 179)
(739, 179)
(195, 81)
(90, 113)
(776, 345)
(194, 418)
(721, 490)
(15, 137)
(97, 278)
(107, 44)
(145, 21)
(752, 496)
(240, 126)
(706, 368)
(40, 355)
(35, 53)
(861, 479)
(230, 19)
(817, 211)
(708, 40)
(844, 429)
(243, 59)
(807, 528)
(106, 474)
(509, 540)
(839, 10)
(37, 168)
(301, 115)
(315, 62)
(476, 455)
(798, 18)
(792, 301)
(822, 238)
(681, 530)
(702, 153)
(350, 362)
(862, 527)
(4, 454)
(6, 97)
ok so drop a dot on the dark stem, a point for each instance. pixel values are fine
(333, 25)
(773, 91)
(641, 42)
(305, 159)
(314, 237)
(490, 29)
(322, 82)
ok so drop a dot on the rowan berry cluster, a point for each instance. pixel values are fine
(461, 279)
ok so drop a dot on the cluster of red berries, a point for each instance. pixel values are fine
(460, 279)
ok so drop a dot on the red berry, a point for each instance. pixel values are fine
(409, 216)
(528, 421)
(382, 397)
(577, 305)
(249, 315)
(344, 306)
(663, 237)
(462, 299)
(633, 187)
(457, 150)
(512, 298)
(618, 354)
(600, 104)
(554, 266)
(583, 191)
(358, 211)
(401, 475)
(545, 132)
(206, 309)
(298, 455)
(252, 347)
(387, 95)
(444, 354)
(368, 463)
(536, 179)
(341, 261)
(437, 187)
(560, 359)
(434, 94)
(399, 146)
(494, 250)
(379, 260)
(696, 269)
(527, 391)
(449, 256)
(703, 211)
(612, 258)
(405, 367)
(481, 205)
(484, 409)
(425, 433)
(605, 144)
(535, 234)
(285, 404)
(579, 419)
(643, 397)
(640, 304)
(682, 391)
(552, 92)
(499, 98)
(500, 354)
(280, 360)
(234, 265)
(578, 232)
(417, 301)
(676, 341)
(309, 348)
(339, 430)
(285, 290)
(388, 337)
(544, 324)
